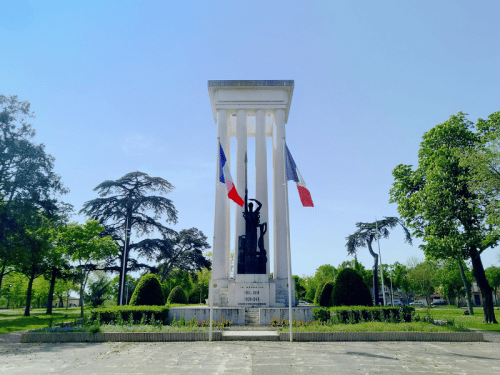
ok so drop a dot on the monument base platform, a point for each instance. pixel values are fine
(252, 291)
(238, 316)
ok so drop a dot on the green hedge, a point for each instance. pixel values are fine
(357, 314)
(350, 290)
(325, 298)
(177, 295)
(110, 315)
(148, 292)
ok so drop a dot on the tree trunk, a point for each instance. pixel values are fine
(2, 273)
(51, 292)
(375, 273)
(81, 300)
(482, 282)
(467, 288)
(28, 295)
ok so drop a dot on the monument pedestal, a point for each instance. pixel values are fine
(251, 291)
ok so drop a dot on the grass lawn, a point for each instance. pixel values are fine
(374, 327)
(13, 320)
(469, 321)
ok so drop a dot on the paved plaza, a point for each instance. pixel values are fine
(247, 357)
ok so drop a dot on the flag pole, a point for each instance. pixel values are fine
(380, 257)
(210, 297)
(290, 316)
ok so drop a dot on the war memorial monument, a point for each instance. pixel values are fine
(243, 109)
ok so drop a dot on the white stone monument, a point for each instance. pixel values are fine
(234, 103)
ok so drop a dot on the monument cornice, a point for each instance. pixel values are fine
(224, 95)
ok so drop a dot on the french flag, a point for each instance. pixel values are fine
(292, 173)
(225, 178)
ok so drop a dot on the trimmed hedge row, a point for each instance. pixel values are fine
(357, 314)
(111, 314)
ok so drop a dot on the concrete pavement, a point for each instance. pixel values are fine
(246, 357)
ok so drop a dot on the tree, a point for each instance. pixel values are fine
(28, 184)
(423, 278)
(439, 205)
(484, 164)
(123, 206)
(366, 234)
(99, 288)
(85, 246)
(493, 276)
(33, 256)
(129, 287)
(183, 252)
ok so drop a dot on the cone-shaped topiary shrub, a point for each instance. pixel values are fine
(317, 295)
(177, 295)
(325, 298)
(350, 290)
(148, 292)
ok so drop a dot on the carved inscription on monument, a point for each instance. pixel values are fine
(252, 295)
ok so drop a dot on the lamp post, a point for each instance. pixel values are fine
(381, 266)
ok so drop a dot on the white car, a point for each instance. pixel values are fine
(419, 304)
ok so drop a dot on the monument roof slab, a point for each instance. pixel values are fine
(250, 95)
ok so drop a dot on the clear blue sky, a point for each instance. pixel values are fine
(122, 86)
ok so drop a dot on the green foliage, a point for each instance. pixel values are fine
(321, 313)
(325, 298)
(148, 292)
(350, 290)
(359, 314)
(177, 295)
(439, 204)
(110, 315)
(317, 295)
(99, 289)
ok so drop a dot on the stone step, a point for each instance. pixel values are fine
(250, 336)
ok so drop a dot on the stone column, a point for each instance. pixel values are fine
(241, 149)
(280, 211)
(219, 268)
(261, 191)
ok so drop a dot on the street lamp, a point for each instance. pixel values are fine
(381, 266)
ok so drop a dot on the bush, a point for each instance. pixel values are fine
(177, 295)
(325, 298)
(322, 314)
(317, 295)
(350, 290)
(357, 314)
(111, 315)
(148, 292)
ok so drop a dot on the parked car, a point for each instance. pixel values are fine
(419, 304)
(438, 303)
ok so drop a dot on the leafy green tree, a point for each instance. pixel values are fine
(129, 286)
(325, 297)
(493, 276)
(200, 282)
(99, 289)
(439, 205)
(124, 206)
(364, 237)
(300, 289)
(484, 164)
(86, 247)
(324, 273)
(423, 278)
(28, 184)
(450, 281)
(33, 257)
(184, 251)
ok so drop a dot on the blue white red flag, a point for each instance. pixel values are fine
(292, 173)
(225, 178)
